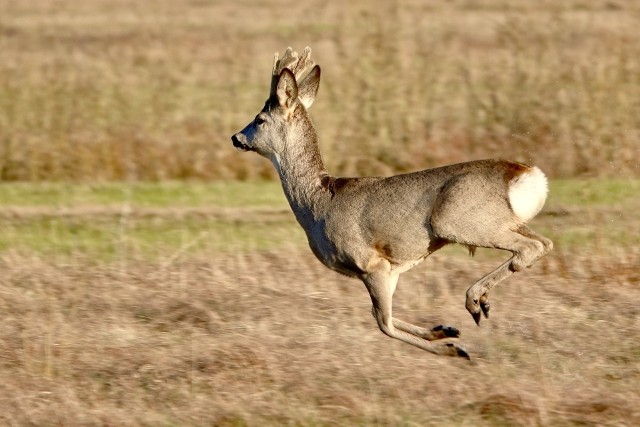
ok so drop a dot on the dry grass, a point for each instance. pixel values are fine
(185, 304)
(276, 339)
(152, 90)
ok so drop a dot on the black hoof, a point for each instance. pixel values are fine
(462, 353)
(447, 331)
(477, 316)
(458, 351)
(486, 308)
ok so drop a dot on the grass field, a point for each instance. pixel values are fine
(124, 89)
(199, 304)
(148, 220)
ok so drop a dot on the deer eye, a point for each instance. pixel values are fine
(259, 120)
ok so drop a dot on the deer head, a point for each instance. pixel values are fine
(284, 115)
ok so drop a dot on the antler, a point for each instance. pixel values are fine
(297, 64)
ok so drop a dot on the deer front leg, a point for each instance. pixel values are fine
(381, 284)
(436, 333)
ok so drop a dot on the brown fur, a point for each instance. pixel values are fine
(376, 228)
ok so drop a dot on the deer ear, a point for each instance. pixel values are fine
(308, 87)
(286, 89)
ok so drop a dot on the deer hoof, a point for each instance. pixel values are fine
(473, 307)
(478, 306)
(440, 332)
(455, 350)
(476, 317)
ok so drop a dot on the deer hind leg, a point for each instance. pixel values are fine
(524, 230)
(381, 285)
(526, 246)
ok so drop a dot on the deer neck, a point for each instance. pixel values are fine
(302, 173)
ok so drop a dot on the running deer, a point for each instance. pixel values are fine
(375, 228)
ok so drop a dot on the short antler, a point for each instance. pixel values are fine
(297, 64)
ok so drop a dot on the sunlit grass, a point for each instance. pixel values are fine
(107, 239)
(144, 194)
(594, 192)
(110, 220)
(562, 192)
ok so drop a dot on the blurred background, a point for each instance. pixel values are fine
(151, 274)
(151, 90)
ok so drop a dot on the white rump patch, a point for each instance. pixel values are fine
(527, 193)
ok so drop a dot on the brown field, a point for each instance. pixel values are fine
(180, 304)
(276, 339)
(125, 89)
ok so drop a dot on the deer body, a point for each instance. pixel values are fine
(375, 228)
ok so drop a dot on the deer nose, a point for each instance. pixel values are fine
(239, 142)
(236, 141)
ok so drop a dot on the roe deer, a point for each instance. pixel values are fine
(375, 228)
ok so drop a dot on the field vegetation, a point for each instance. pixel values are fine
(150, 275)
(152, 90)
(184, 303)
